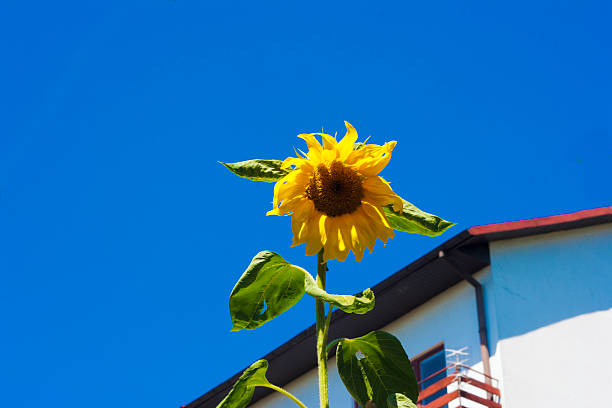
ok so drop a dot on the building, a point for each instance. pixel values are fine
(529, 301)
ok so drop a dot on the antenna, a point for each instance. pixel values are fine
(458, 354)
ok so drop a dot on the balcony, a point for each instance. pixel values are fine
(463, 387)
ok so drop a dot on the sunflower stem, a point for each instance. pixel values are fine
(322, 327)
(285, 393)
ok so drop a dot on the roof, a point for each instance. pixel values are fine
(405, 290)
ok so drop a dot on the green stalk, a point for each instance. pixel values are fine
(285, 393)
(322, 327)
(333, 343)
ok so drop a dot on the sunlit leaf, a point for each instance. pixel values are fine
(360, 303)
(258, 170)
(269, 287)
(242, 392)
(399, 401)
(416, 221)
(374, 366)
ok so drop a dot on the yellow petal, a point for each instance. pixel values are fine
(273, 211)
(345, 146)
(331, 245)
(322, 230)
(349, 230)
(313, 239)
(292, 184)
(314, 147)
(374, 159)
(341, 256)
(329, 142)
(375, 214)
(328, 156)
(302, 164)
(331, 232)
(356, 238)
(290, 204)
(358, 251)
(342, 244)
(313, 247)
(379, 222)
(299, 220)
(368, 236)
(379, 192)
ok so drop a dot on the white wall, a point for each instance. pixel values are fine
(553, 300)
(450, 317)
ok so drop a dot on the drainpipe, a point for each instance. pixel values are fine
(482, 321)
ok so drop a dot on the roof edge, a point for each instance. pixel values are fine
(534, 225)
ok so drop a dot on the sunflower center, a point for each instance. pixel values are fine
(335, 190)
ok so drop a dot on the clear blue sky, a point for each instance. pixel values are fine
(121, 236)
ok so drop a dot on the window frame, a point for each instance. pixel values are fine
(416, 360)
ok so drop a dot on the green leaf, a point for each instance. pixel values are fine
(374, 366)
(398, 400)
(258, 170)
(269, 283)
(360, 303)
(242, 392)
(416, 221)
(271, 286)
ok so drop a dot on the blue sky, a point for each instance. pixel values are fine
(121, 234)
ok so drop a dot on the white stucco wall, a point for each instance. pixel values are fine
(449, 317)
(553, 302)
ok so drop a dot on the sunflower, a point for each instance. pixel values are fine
(335, 196)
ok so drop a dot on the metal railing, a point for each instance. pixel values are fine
(463, 387)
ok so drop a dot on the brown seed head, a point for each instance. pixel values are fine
(335, 190)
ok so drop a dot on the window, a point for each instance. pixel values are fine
(429, 368)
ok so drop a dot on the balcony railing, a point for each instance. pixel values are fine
(463, 387)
